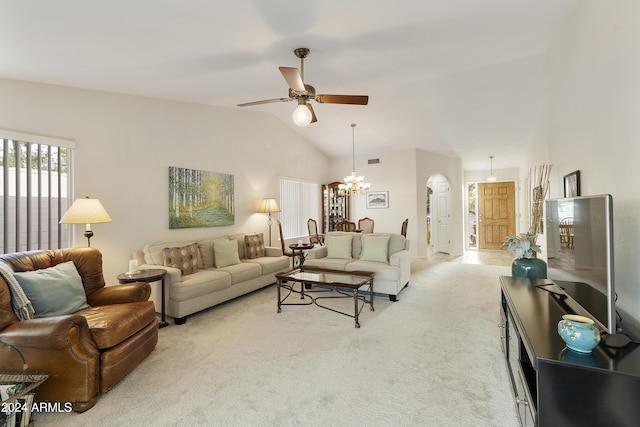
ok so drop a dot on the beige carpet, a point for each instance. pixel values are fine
(431, 359)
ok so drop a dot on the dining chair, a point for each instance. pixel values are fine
(314, 237)
(566, 232)
(366, 225)
(403, 230)
(285, 250)
(345, 225)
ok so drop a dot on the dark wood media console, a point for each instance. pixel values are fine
(553, 385)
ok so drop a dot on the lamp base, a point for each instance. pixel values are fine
(88, 234)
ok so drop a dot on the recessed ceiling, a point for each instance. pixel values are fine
(458, 77)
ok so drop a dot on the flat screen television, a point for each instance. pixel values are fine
(580, 252)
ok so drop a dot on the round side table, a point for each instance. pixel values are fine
(150, 275)
(298, 253)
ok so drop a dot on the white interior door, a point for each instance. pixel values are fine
(443, 222)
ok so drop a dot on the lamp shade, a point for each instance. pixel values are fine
(268, 205)
(86, 211)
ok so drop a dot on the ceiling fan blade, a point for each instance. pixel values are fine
(313, 114)
(265, 101)
(293, 78)
(343, 99)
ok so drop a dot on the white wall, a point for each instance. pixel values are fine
(396, 174)
(125, 145)
(404, 174)
(594, 122)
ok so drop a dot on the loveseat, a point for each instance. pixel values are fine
(206, 272)
(106, 333)
(385, 254)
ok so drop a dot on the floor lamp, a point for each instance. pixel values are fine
(86, 211)
(269, 205)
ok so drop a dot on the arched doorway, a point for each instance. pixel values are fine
(438, 213)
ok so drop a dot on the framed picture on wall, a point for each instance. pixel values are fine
(572, 184)
(377, 199)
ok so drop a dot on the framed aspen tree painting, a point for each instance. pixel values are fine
(200, 198)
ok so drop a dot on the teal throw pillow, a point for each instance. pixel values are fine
(54, 291)
(339, 246)
(375, 248)
(225, 252)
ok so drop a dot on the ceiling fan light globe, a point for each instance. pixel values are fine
(302, 116)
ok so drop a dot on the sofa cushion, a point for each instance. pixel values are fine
(271, 264)
(397, 242)
(239, 238)
(254, 246)
(243, 271)
(339, 246)
(329, 263)
(111, 324)
(54, 291)
(375, 248)
(383, 272)
(225, 252)
(205, 246)
(186, 258)
(204, 282)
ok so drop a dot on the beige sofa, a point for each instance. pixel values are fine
(387, 255)
(206, 272)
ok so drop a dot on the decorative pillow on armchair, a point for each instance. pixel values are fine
(186, 258)
(54, 291)
(254, 246)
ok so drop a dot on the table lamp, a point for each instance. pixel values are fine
(86, 211)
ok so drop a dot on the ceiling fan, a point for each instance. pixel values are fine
(298, 90)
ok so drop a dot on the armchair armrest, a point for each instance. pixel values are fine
(128, 292)
(47, 332)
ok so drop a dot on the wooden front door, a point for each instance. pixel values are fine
(496, 213)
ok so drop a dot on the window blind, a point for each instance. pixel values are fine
(299, 201)
(34, 188)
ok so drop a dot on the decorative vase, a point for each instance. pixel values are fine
(579, 333)
(533, 268)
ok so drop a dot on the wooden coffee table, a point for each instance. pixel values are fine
(335, 280)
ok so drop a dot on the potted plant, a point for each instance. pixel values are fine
(524, 245)
(526, 263)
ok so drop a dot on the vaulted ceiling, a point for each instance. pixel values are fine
(458, 77)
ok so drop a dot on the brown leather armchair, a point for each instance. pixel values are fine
(86, 352)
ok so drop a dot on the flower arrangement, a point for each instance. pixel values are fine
(523, 245)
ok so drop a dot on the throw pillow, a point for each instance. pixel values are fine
(186, 258)
(254, 246)
(375, 248)
(225, 252)
(339, 246)
(54, 291)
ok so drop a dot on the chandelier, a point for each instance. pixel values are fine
(354, 184)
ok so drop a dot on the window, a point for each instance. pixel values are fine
(298, 203)
(34, 189)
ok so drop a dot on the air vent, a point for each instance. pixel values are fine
(374, 161)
